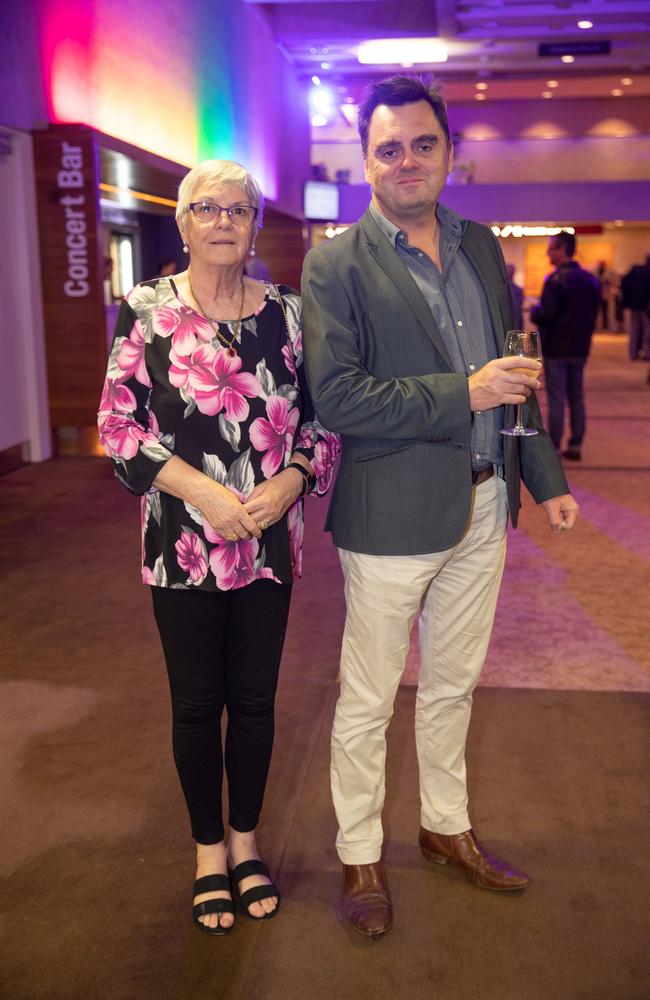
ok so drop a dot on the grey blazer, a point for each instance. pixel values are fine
(380, 375)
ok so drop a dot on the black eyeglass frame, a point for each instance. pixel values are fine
(191, 207)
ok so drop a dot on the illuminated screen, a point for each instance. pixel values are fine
(321, 201)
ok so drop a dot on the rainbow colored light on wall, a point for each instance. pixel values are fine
(208, 84)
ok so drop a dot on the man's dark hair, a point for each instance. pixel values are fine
(395, 92)
(568, 241)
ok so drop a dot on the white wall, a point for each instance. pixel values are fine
(23, 384)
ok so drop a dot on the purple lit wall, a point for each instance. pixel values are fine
(561, 203)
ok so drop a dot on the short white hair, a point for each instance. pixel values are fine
(219, 173)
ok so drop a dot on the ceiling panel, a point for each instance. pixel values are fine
(491, 40)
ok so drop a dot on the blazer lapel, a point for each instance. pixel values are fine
(389, 261)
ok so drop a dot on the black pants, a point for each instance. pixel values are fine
(223, 649)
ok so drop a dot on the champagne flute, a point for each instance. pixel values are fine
(520, 344)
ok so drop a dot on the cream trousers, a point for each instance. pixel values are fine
(456, 592)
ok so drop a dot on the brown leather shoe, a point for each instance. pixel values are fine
(366, 899)
(464, 850)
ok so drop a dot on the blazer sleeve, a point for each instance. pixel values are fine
(347, 397)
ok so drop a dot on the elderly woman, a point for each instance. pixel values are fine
(206, 415)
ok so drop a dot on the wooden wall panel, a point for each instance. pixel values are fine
(281, 245)
(66, 163)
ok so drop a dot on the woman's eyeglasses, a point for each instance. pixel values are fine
(206, 211)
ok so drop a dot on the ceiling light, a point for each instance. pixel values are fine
(552, 83)
(627, 81)
(481, 86)
(547, 93)
(325, 65)
(480, 96)
(321, 104)
(585, 24)
(316, 81)
(516, 230)
(567, 59)
(616, 92)
(391, 51)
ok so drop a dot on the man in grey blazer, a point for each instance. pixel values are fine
(404, 317)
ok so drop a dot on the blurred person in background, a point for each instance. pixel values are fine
(604, 276)
(516, 293)
(566, 317)
(635, 293)
(167, 268)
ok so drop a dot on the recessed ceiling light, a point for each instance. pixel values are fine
(567, 59)
(316, 81)
(325, 65)
(552, 83)
(547, 93)
(585, 24)
(480, 96)
(627, 81)
(617, 92)
(392, 51)
(481, 86)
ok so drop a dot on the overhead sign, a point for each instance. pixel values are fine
(574, 48)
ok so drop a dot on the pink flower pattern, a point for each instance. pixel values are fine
(241, 430)
(183, 325)
(216, 382)
(275, 436)
(131, 356)
(296, 527)
(234, 563)
(192, 555)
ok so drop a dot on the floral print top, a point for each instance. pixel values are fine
(172, 388)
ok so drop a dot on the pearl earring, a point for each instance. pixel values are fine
(186, 249)
(252, 252)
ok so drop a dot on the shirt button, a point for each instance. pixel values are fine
(471, 368)
(460, 322)
(478, 412)
(477, 456)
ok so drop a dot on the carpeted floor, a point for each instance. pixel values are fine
(95, 853)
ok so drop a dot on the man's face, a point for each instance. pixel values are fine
(407, 160)
(556, 252)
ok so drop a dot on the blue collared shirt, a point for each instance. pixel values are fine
(460, 311)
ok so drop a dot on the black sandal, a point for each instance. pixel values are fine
(259, 892)
(212, 883)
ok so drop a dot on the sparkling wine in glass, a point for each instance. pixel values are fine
(520, 344)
